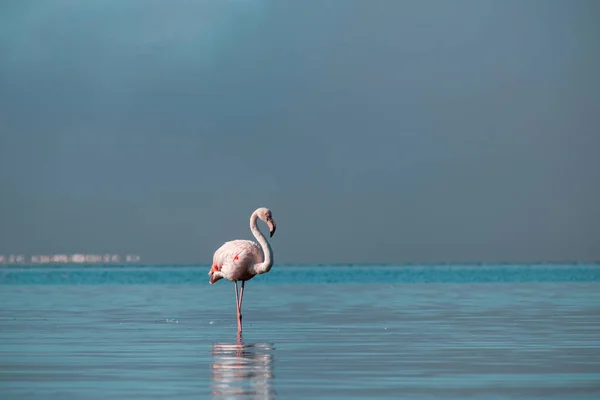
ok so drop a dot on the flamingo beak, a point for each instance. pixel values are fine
(272, 226)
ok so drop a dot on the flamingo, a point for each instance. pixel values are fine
(242, 260)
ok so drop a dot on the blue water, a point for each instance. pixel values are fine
(331, 332)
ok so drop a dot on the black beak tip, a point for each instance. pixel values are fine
(271, 233)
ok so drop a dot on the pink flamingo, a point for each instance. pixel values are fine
(241, 260)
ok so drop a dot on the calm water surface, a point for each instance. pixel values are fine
(482, 332)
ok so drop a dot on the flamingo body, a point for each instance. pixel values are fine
(234, 260)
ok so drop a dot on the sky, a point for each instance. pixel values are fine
(376, 131)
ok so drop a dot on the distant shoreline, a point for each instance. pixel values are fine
(77, 259)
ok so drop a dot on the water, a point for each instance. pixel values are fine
(331, 332)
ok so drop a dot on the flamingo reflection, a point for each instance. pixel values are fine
(242, 370)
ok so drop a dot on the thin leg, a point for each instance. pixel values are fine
(241, 295)
(237, 304)
(240, 308)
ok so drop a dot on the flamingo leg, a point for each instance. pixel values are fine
(238, 303)
(237, 306)
(240, 308)
(241, 295)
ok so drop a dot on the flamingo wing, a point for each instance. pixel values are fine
(234, 259)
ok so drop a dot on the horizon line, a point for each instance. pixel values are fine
(307, 264)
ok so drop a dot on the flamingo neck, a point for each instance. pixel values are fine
(266, 265)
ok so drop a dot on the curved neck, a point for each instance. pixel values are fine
(266, 265)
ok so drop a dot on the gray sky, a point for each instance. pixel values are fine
(376, 131)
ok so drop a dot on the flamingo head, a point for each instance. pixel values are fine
(266, 215)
